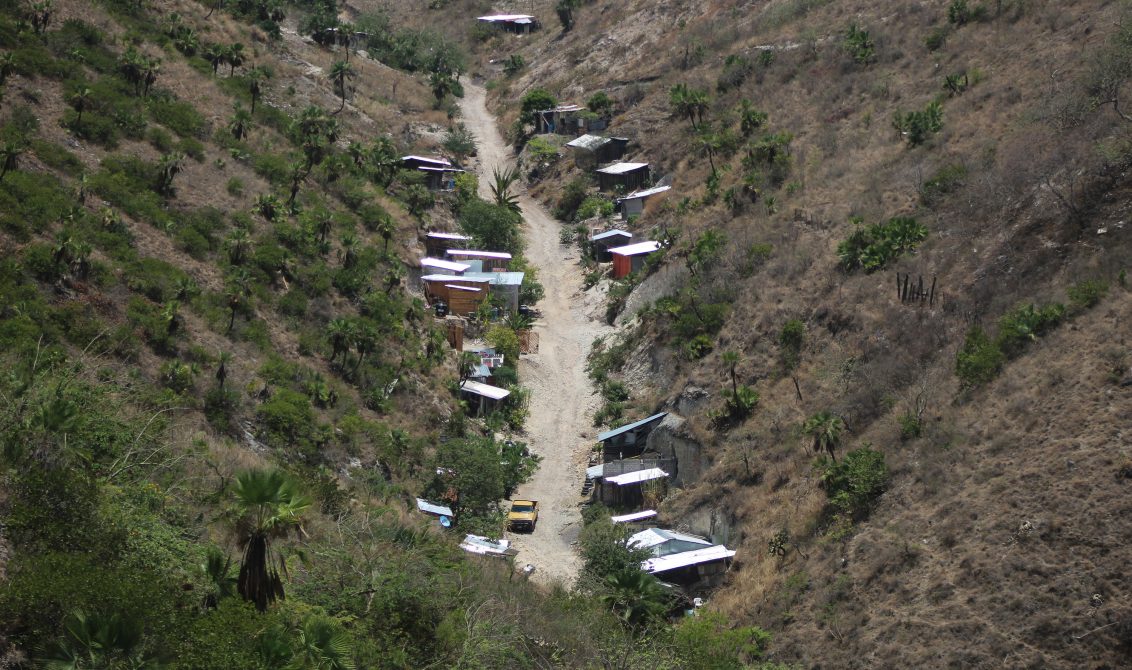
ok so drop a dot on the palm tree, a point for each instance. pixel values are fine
(187, 42)
(321, 644)
(345, 37)
(256, 77)
(235, 56)
(171, 316)
(357, 153)
(81, 101)
(386, 228)
(340, 332)
(383, 158)
(267, 206)
(349, 252)
(7, 66)
(99, 641)
(365, 341)
(731, 359)
(237, 244)
(222, 369)
(501, 187)
(150, 68)
(340, 72)
(217, 568)
(215, 54)
(168, 167)
(299, 172)
(825, 428)
(750, 119)
(466, 362)
(269, 506)
(213, 8)
(241, 123)
(709, 144)
(688, 102)
(635, 596)
(236, 293)
(10, 153)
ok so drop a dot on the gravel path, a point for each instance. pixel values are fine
(559, 428)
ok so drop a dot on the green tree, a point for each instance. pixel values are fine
(690, 103)
(601, 104)
(710, 641)
(492, 226)
(215, 55)
(99, 640)
(472, 469)
(81, 100)
(606, 550)
(535, 100)
(168, 168)
(565, 11)
(825, 430)
(256, 77)
(234, 56)
(857, 481)
(341, 72)
(217, 570)
(268, 507)
(10, 153)
(340, 333)
(241, 123)
(321, 643)
(501, 188)
(750, 119)
(635, 596)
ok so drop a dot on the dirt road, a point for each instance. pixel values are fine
(559, 428)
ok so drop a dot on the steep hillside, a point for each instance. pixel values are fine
(993, 530)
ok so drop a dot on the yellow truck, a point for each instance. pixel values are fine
(523, 515)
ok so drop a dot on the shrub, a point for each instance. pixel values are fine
(911, 426)
(1025, 324)
(936, 38)
(979, 359)
(592, 206)
(856, 482)
(916, 126)
(460, 142)
(859, 44)
(288, 419)
(605, 549)
(945, 181)
(736, 69)
(542, 149)
(790, 339)
(601, 104)
(572, 198)
(513, 64)
(873, 247)
(958, 12)
(697, 347)
(235, 187)
(1088, 293)
(535, 100)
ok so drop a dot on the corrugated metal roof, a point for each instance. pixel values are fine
(622, 168)
(645, 193)
(568, 107)
(588, 142)
(610, 233)
(444, 265)
(602, 437)
(432, 508)
(636, 249)
(426, 159)
(463, 288)
(478, 544)
(656, 536)
(711, 554)
(481, 370)
(474, 253)
(637, 477)
(485, 390)
(635, 516)
(499, 278)
(594, 471)
(505, 18)
(439, 169)
(447, 236)
(448, 278)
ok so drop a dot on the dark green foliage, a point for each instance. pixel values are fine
(859, 44)
(959, 12)
(709, 641)
(533, 101)
(979, 359)
(736, 69)
(854, 484)
(873, 247)
(601, 104)
(916, 126)
(180, 117)
(944, 182)
(1025, 324)
(791, 338)
(289, 421)
(606, 551)
(513, 65)
(1087, 293)
(572, 198)
(936, 38)
(494, 227)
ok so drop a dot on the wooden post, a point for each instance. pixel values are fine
(931, 298)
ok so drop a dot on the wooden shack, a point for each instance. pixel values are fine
(463, 295)
(601, 243)
(520, 24)
(440, 173)
(626, 176)
(631, 258)
(503, 286)
(621, 483)
(482, 398)
(591, 151)
(634, 203)
(438, 243)
(629, 440)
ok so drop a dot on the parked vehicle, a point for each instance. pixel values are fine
(523, 515)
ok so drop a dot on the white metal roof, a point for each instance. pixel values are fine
(635, 516)
(637, 477)
(478, 544)
(636, 249)
(566, 107)
(431, 508)
(485, 390)
(654, 536)
(479, 254)
(594, 471)
(588, 142)
(447, 236)
(622, 168)
(611, 233)
(505, 18)
(426, 159)
(462, 288)
(444, 265)
(439, 169)
(447, 278)
(713, 553)
(645, 193)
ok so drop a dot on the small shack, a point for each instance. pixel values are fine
(601, 243)
(628, 440)
(492, 261)
(630, 258)
(681, 558)
(621, 483)
(627, 176)
(504, 287)
(463, 295)
(593, 150)
(520, 24)
(440, 174)
(482, 398)
(436, 265)
(634, 203)
(563, 119)
(438, 243)
(432, 509)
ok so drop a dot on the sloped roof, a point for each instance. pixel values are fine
(711, 554)
(637, 477)
(478, 544)
(447, 236)
(475, 253)
(432, 508)
(654, 537)
(588, 142)
(602, 437)
(485, 390)
(499, 278)
(635, 516)
(448, 278)
(444, 265)
(425, 159)
(594, 471)
(566, 107)
(622, 168)
(610, 233)
(636, 249)
(645, 193)
(506, 18)
(463, 288)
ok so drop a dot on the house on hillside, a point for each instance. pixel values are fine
(520, 24)
(503, 287)
(564, 119)
(627, 176)
(601, 243)
(463, 295)
(628, 440)
(440, 173)
(482, 398)
(681, 558)
(621, 483)
(634, 203)
(438, 265)
(631, 258)
(438, 243)
(492, 261)
(591, 151)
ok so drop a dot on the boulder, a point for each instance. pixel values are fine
(671, 439)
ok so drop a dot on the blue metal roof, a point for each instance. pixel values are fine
(602, 437)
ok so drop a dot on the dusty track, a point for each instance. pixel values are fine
(559, 428)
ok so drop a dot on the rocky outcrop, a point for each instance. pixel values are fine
(671, 439)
